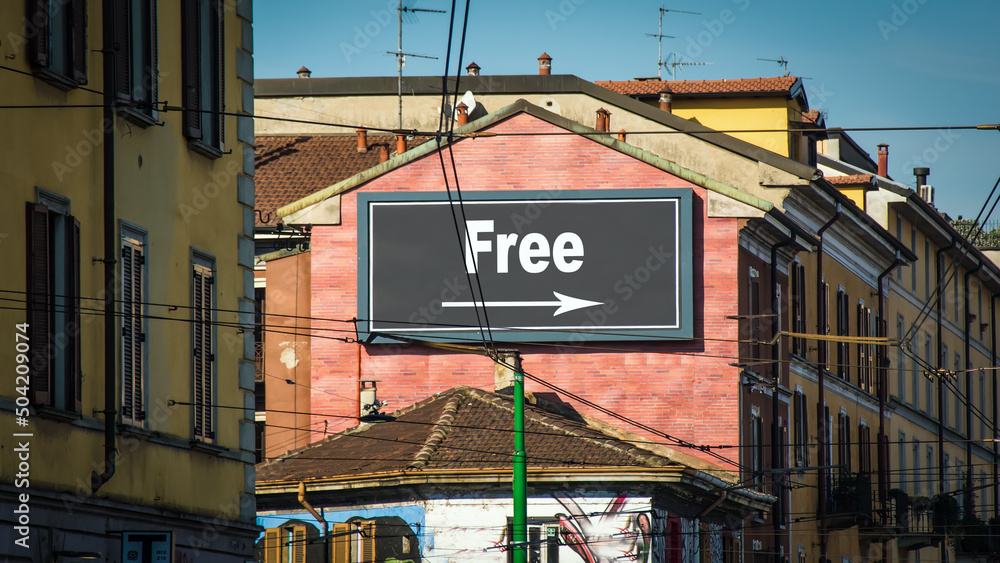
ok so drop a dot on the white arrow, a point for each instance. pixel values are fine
(564, 303)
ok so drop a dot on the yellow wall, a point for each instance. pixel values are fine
(60, 150)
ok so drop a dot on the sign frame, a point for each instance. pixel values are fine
(684, 290)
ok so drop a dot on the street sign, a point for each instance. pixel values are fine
(147, 547)
(554, 266)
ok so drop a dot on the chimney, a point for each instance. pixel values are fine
(883, 160)
(666, 99)
(621, 135)
(463, 113)
(362, 139)
(304, 72)
(545, 64)
(503, 375)
(383, 152)
(603, 119)
(472, 69)
(921, 175)
(400, 143)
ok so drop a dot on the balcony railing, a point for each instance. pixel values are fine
(850, 501)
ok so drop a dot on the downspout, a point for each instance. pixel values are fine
(968, 387)
(821, 318)
(939, 307)
(776, 355)
(110, 244)
(883, 387)
(996, 412)
(319, 518)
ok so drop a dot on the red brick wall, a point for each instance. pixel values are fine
(686, 389)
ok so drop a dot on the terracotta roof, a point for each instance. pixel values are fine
(775, 85)
(290, 167)
(465, 428)
(851, 180)
(811, 116)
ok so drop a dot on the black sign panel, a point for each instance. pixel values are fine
(536, 267)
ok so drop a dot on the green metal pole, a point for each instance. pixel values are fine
(520, 529)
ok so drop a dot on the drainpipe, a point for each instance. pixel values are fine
(319, 518)
(821, 317)
(776, 351)
(968, 386)
(110, 244)
(939, 307)
(996, 411)
(883, 387)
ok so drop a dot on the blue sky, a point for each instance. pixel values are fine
(869, 63)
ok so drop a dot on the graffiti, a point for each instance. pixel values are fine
(614, 536)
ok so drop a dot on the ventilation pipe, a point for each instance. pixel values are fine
(883, 160)
(666, 99)
(362, 139)
(472, 69)
(463, 113)
(545, 64)
(400, 143)
(304, 72)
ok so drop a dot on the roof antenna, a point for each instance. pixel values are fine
(781, 61)
(659, 40)
(675, 63)
(408, 9)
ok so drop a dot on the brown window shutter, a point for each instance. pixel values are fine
(38, 17)
(154, 68)
(298, 544)
(199, 354)
(78, 17)
(272, 545)
(367, 542)
(191, 55)
(340, 543)
(39, 301)
(133, 338)
(76, 370)
(123, 50)
(221, 53)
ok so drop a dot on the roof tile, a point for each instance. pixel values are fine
(776, 85)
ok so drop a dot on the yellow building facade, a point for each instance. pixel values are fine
(130, 218)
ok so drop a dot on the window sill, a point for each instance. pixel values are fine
(137, 116)
(136, 430)
(55, 413)
(55, 79)
(204, 149)
(199, 446)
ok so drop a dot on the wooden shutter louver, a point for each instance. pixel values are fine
(78, 15)
(75, 347)
(220, 45)
(272, 545)
(299, 544)
(191, 54)
(39, 302)
(367, 542)
(340, 543)
(37, 16)
(203, 358)
(133, 337)
(154, 72)
(123, 50)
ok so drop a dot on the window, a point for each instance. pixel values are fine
(202, 332)
(828, 447)
(844, 441)
(943, 365)
(983, 506)
(801, 423)
(960, 486)
(900, 360)
(843, 348)
(928, 355)
(982, 406)
(917, 372)
(754, 312)
(864, 448)
(954, 284)
(901, 472)
(962, 392)
(917, 475)
(757, 449)
(204, 72)
(134, 314)
(927, 269)
(929, 479)
(798, 308)
(899, 237)
(543, 542)
(913, 267)
(946, 466)
(866, 361)
(136, 74)
(53, 302)
(57, 44)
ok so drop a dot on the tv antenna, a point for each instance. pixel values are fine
(675, 63)
(781, 61)
(659, 39)
(406, 12)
